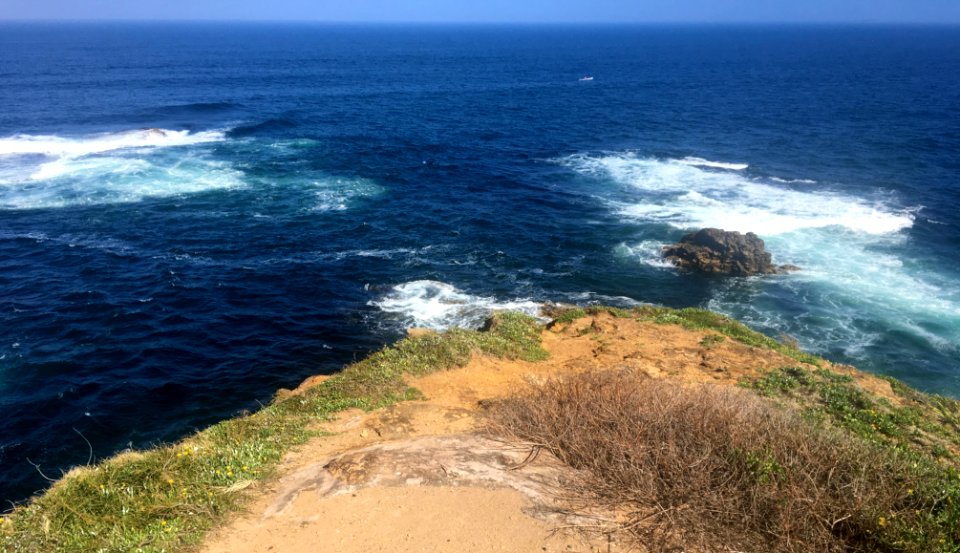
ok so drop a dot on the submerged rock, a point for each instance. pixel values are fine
(721, 252)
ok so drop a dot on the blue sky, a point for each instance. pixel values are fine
(556, 11)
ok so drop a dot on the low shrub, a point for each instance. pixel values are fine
(713, 468)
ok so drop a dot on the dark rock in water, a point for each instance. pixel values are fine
(721, 252)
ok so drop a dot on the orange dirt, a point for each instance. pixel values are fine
(418, 476)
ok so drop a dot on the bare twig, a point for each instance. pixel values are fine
(531, 457)
(89, 446)
(45, 477)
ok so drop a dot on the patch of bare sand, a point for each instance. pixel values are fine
(402, 520)
(417, 476)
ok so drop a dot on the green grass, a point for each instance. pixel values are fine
(922, 424)
(165, 499)
(711, 340)
(921, 435)
(566, 315)
(701, 319)
(694, 319)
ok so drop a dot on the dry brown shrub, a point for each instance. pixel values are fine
(707, 468)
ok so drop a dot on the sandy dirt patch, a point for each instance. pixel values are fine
(420, 476)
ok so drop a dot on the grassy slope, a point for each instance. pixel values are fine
(166, 498)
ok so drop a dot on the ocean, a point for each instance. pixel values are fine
(194, 215)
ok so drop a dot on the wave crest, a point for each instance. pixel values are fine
(700, 162)
(58, 146)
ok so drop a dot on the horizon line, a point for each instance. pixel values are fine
(812, 22)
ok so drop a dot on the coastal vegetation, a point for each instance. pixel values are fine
(717, 468)
(797, 458)
(691, 318)
(800, 458)
(166, 498)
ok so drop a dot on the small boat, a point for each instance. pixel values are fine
(586, 78)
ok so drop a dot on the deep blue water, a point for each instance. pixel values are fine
(192, 216)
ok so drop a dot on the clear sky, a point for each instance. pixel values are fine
(502, 11)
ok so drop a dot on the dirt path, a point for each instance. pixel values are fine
(419, 477)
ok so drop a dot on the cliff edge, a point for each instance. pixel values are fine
(507, 440)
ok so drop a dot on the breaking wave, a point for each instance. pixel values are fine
(439, 306)
(58, 146)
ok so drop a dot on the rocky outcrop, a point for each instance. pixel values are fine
(721, 252)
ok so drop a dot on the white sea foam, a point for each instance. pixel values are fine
(58, 146)
(846, 298)
(53, 171)
(700, 162)
(92, 165)
(105, 180)
(854, 278)
(648, 252)
(439, 306)
(687, 196)
(866, 275)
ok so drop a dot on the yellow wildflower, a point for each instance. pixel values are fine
(170, 481)
(882, 522)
